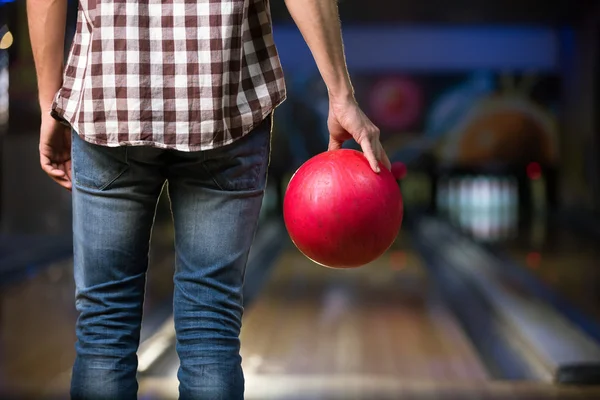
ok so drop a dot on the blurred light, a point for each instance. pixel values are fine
(397, 260)
(534, 171)
(6, 41)
(534, 259)
(155, 346)
(399, 170)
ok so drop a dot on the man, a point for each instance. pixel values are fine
(177, 91)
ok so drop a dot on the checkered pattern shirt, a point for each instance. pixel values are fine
(180, 74)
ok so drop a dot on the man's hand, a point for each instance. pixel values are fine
(347, 121)
(318, 21)
(47, 22)
(55, 151)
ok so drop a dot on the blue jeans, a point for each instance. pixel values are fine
(216, 196)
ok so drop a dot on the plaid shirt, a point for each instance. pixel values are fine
(181, 74)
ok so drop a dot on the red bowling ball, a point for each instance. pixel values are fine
(341, 214)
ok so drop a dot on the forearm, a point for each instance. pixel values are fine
(47, 21)
(318, 21)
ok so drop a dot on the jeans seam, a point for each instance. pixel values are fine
(78, 182)
(212, 176)
(125, 168)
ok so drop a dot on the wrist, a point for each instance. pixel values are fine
(342, 97)
(339, 87)
(47, 93)
(46, 106)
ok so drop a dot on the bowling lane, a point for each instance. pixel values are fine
(384, 320)
(559, 256)
(563, 259)
(316, 327)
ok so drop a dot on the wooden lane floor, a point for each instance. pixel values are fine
(381, 320)
(379, 332)
(377, 388)
(315, 331)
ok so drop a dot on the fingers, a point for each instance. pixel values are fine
(58, 172)
(52, 169)
(68, 170)
(334, 144)
(66, 185)
(375, 154)
(367, 149)
(347, 122)
(384, 158)
(373, 149)
(54, 172)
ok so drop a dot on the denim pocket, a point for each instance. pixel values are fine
(95, 166)
(243, 164)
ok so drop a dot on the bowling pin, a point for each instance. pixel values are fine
(484, 207)
(502, 208)
(478, 194)
(453, 205)
(476, 203)
(472, 207)
(513, 207)
(465, 202)
(494, 209)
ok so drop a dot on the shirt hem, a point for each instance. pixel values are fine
(58, 113)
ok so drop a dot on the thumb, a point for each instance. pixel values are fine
(334, 144)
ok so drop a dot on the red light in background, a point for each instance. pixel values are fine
(397, 260)
(534, 259)
(534, 171)
(399, 170)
